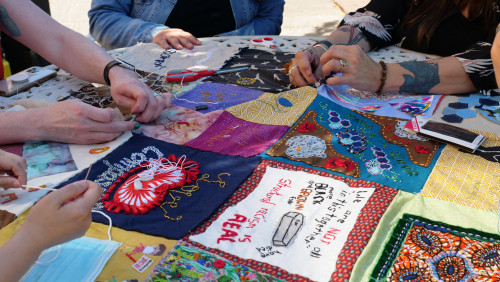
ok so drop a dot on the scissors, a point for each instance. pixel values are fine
(184, 75)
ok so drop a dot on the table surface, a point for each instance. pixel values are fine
(65, 83)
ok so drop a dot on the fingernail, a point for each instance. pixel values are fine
(137, 126)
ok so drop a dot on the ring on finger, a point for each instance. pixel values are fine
(343, 63)
(291, 69)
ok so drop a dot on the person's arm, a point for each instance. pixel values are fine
(28, 24)
(495, 55)
(60, 216)
(267, 21)
(13, 169)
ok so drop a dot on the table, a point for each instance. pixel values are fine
(295, 190)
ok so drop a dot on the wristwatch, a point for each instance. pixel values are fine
(116, 62)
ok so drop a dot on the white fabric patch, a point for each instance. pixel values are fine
(294, 220)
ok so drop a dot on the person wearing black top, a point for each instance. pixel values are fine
(460, 31)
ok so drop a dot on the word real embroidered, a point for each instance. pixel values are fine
(266, 228)
(164, 189)
(426, 250)
(359, 145)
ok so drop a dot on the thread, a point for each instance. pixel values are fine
(59, 248)
(110, 222)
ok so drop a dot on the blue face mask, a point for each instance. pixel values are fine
(81, 259)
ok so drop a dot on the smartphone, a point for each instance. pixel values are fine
(24, 80)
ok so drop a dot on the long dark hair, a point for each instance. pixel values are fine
(426, 15)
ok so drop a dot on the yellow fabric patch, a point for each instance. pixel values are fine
(119, 266)
(276, 108)
(466, 179)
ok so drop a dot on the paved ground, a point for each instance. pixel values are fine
(301, 18)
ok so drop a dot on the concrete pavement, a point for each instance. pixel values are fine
(300, 18)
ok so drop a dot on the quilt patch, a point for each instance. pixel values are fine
(151, 57)
(233, 136)
(397, 105)
(47, 158)
(216, 96)
(467, 179)
(423, 250)
(158, 188)
(345, 141)
(487, 106)
(262, 247)
(276, 109)
(178, 125)
(268, 70)
(185, 262)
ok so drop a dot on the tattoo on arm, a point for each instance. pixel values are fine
(353, 39)
(8, 24)
(425, 77)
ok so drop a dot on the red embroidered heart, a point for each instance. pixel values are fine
(135, 194)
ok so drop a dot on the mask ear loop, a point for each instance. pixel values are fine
(59, 248)
(110, 222)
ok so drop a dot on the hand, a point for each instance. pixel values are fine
(128, 91)
(73, 121)
(62, 215)
(306, 67)
(176, 38)
(15, 167)
(359, 70)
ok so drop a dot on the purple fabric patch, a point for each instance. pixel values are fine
(232, 136)
(216, 96)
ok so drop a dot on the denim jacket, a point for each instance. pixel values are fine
(121, 23)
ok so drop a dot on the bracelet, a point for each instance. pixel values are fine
(113, 63)
(383, 78)
(324, 48)
(326, 42)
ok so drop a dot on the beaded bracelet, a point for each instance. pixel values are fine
(383, 78)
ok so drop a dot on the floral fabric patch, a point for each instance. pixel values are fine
(268, 255)
(425, 250)
(178, 125)
(360, 145)
(268, 71)
(215, 96)
(233, 136)
(311, 143)
(276, 109)
(157, 188)
(185, 262)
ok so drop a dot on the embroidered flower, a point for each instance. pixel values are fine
(219, 263)
(422, 149)
(336, 162)
(306, 127)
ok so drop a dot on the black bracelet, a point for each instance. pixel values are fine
(107, 68)
(326, 42)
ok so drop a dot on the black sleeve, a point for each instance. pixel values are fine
(379, 20)
(477, 62)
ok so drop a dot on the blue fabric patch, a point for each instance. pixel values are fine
(453, 118)
(219, 176)
(449, 111)
(458, 105)
(396, 170)
(466, 113)
(216, 96)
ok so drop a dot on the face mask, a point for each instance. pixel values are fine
(81, 259)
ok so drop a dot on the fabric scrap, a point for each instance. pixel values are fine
(216, 96)
(236, 137)
(47, 158)
(276, 109)
(268, 70)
